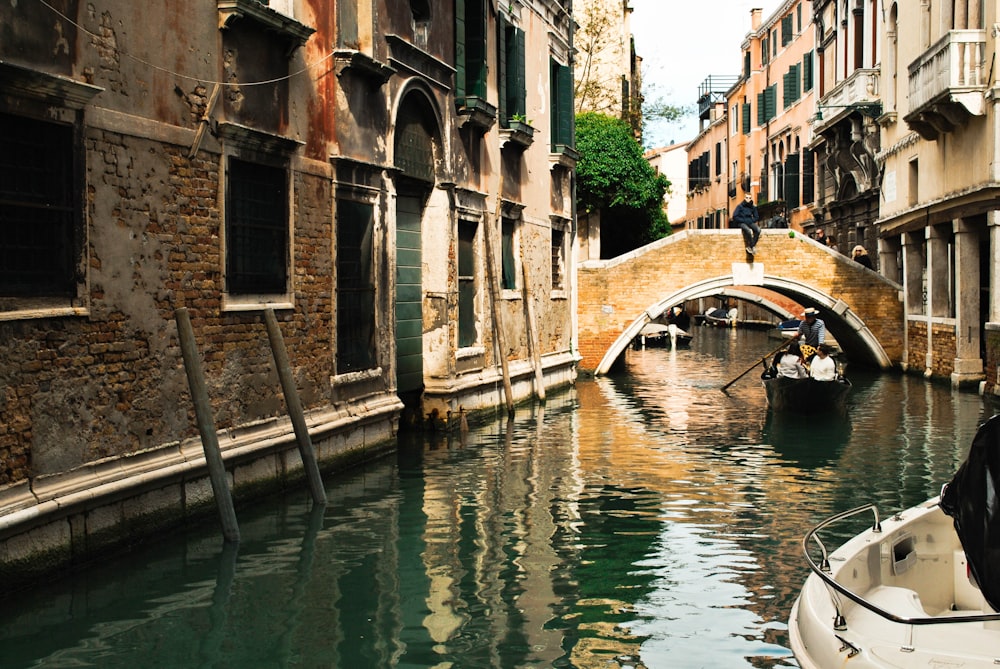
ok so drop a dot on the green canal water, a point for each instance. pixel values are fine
(646, 519)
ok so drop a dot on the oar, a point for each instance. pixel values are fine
(763, 359)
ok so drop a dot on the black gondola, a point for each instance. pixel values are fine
(805, 395)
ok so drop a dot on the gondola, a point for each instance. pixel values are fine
(805, 395)
(656, 335)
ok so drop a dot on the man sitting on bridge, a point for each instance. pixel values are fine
(746, 216)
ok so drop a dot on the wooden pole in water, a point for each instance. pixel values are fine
(206, 426)
(533, 344)
(491, 277)
(294, 405)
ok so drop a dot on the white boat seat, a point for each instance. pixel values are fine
(901, 602)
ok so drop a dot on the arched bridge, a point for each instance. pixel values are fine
(862, 309)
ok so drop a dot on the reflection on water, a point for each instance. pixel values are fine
(644, 520)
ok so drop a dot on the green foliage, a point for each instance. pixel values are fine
(615, 178)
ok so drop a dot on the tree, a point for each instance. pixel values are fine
(615, 179)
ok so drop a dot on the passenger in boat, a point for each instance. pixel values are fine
(789, 362)
(823, 367)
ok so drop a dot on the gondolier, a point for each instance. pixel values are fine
(812, 330)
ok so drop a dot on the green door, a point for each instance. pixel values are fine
(409, 297)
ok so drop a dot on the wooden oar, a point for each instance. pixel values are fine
(763, 359)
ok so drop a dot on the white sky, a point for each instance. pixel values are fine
(682, 43)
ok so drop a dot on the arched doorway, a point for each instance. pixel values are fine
(416, 145)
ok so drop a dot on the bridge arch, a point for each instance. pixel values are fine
(862, 309)
(832, 311)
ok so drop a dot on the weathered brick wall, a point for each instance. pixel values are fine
(614, 293)
(73, 390)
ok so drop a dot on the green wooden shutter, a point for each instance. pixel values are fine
(772, 101)
(746, 117)
(792, 181)
(762, 108)
(807, 71)
(460, 51)
(475, 45)
(786, 30)
(808, 177)
(503, 38)
(516, 79)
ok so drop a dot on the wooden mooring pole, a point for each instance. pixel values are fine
(206, 426)
(294, 405)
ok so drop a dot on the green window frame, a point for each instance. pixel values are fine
(561, 90)
(807, 71)
(508, 258)
(470, 50)
(468, 289)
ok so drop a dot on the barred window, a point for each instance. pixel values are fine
(40, 238)
(355, 287)
(256, 229)
(467, 285)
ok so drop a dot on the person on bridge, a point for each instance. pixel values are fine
(746, 216)
(822, 367)
(861, 257)
(812, 330)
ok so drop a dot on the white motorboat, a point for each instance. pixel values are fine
(919, 589)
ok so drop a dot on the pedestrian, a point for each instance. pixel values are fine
(746, 216)
(812, 330)
(822, 367)
(860, 256)
(821, 237)
(789, 363)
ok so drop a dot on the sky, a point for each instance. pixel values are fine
(682, 43)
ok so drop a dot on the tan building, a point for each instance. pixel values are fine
(938, 215)
(671, 161)
(606, 71)
(392, 181)
(770, 108)
(708, 157)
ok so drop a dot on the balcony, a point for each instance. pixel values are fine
(947, 84)
(859, 92)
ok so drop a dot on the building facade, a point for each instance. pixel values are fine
(938, 233)
(393, 181)
(846, 133)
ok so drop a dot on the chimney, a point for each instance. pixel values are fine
(755, 19)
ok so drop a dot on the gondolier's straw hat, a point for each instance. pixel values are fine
(810, 312)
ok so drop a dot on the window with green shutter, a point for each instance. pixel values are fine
(786, 30)
(470, 50)
(792, 181)
(561, 107)
(467, 289)
(807, 71)
(746, 117)
(510, 64)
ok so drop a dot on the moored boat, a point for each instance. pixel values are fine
(919, 589)
(657, 335)
(805, 395)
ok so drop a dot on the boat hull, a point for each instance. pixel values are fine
(806, 395)
(913, 568)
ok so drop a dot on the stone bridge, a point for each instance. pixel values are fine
(862, 309)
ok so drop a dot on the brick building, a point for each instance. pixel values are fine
(392, 180)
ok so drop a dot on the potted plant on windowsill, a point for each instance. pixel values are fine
(519, 130)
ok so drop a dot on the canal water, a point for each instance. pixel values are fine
(647, 519)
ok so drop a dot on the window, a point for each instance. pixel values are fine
(561, 85)
(791, 186)
(786, 30)
(767, 104)
(470, 50)
(256, 229)
(512, 81)
(791, 83)
(746, 118)
(718, 158)
(807, 71)
(508, 242)
(39, 212)
(467, 288)
(558, 259)
(355, 287)
(808, 176)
